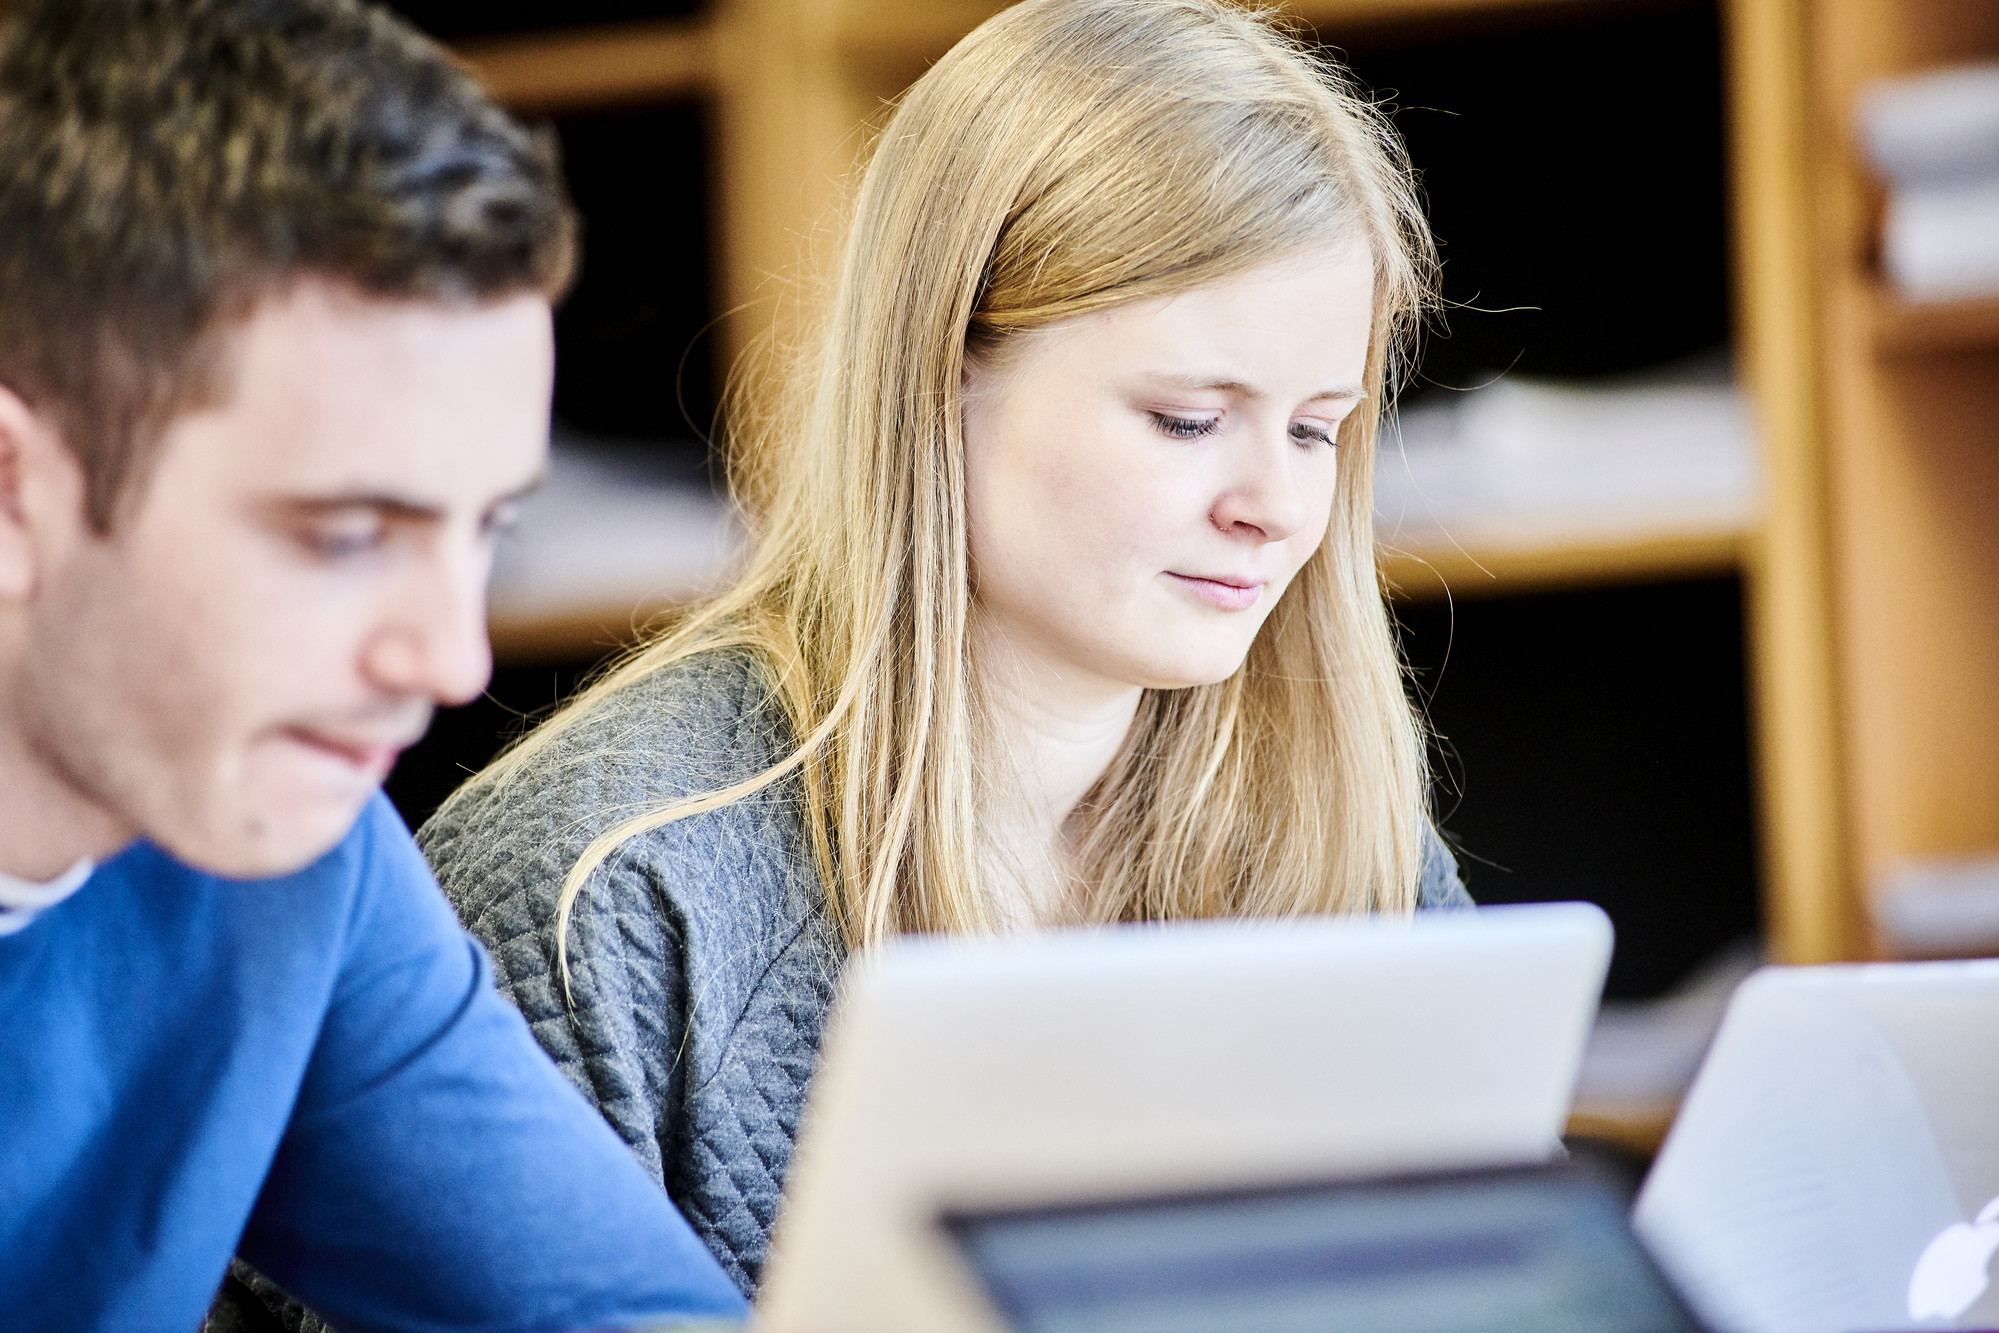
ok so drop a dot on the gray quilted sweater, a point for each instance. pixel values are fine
(701, 958)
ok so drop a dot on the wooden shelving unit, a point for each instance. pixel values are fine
(579, 632)
(1484, 563)
(1909, 430)
(607, 66)
(1872, 574)
(1906, 328)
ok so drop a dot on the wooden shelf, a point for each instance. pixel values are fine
(923, 29)
(665, 59)
(1368, 22)
(588, 68)
(577, 634)
(1903, 327)
(1480, 565)
(1640, 1134)
(904, 35)
(1415, 571)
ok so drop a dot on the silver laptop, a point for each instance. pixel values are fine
(1141, 1061)
(1836, 1164)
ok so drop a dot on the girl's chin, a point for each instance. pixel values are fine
(1188, 671)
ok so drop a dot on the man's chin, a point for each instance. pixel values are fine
(265, 841)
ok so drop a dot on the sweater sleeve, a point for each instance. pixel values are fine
(436, 1173)
(616, 1032)
(621, 1040)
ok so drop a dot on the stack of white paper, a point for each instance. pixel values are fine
(1943, 907)
(1935, 137)
(1525, 461)
(606, 532)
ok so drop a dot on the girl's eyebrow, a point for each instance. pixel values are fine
(1245, 390)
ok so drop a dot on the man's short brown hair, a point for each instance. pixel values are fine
(165, 163)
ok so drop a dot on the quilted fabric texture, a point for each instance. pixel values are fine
(701, 960)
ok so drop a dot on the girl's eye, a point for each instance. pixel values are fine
(1185, 428)
(1304, 432)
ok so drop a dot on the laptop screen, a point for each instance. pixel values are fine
(1535, 1250)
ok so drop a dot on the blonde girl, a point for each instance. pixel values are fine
(1063, 609)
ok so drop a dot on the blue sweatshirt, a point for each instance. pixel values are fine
(314, 1071)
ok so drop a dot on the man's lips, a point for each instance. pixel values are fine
(1227, 592)
(369, 754)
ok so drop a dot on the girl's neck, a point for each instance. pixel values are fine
(1055, 731)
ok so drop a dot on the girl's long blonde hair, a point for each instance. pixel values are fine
(1068, 156)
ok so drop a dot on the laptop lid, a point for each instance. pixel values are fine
(1524, 1250)
(1087, 1064)
(1828, 1169)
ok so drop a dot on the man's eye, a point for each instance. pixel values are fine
(1306, 432)
(1184, 428)
(343, 540)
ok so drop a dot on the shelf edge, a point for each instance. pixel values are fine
(587, 68)
(1902, 326)
(1476, 569)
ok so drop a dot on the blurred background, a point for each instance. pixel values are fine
(1677, 575)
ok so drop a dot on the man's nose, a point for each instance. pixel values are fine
(434, 644)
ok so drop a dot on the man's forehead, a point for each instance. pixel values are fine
(330, 393)
(317, 339)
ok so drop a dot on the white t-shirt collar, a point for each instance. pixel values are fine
(21, 900)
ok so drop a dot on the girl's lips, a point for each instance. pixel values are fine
(1223, 594)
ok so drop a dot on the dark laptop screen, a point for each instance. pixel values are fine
(1538, 1251)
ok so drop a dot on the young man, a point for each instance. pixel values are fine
(275, 360)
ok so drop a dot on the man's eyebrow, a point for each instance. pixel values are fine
(393, 506)
(1245, 390)
(383, 503)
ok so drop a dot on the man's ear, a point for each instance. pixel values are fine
(39, 482)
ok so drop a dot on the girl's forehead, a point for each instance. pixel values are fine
(1297, 326)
